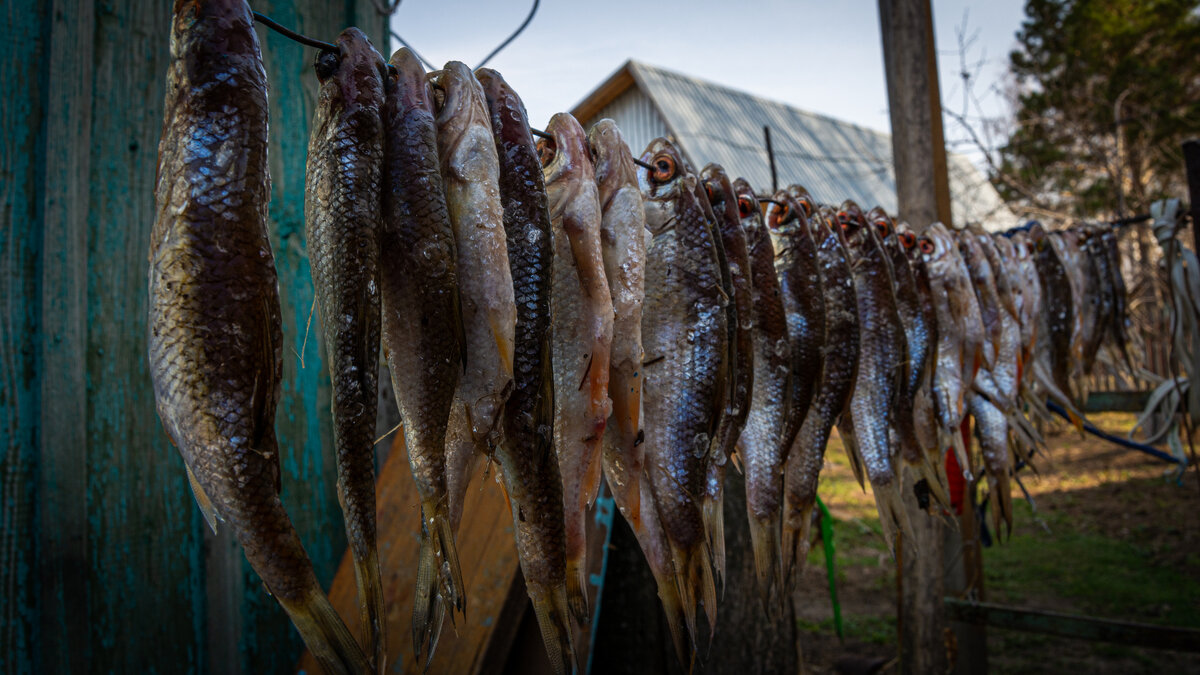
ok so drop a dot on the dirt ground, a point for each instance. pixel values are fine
(1111, 537)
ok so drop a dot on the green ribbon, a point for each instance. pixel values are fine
(827, 544)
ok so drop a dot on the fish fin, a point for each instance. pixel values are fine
(202, 500)
(325, 635)
(372, 613)
(714, 529)
(439, 580)
(550, 608)
(1001, 488)
(768, 555)
(577, 599)
(593, 471)
(850, 445)
(892, 515)
(504, 346)
(960, 453)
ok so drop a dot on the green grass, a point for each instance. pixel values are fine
(879, 630)
(1091, 572)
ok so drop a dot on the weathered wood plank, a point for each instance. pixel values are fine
(487, 555)
(144, 540)
(1075, 626)
(20, 249)
(65, 630)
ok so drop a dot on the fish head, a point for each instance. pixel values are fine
(565, 156)
(786, 216)
(803, 197)
(354, 73)
(611, 159)
(664, 184)
(509, 119)
(206, 32)
(749, 209)
(719, 190)
(938, 247)
(464, 124)
(407, 87)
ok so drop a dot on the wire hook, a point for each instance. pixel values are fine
(293, 35)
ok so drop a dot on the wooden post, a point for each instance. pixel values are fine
(1191, 160)
(922, 197)
(918, 147)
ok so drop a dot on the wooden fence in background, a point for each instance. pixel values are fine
(105, 564)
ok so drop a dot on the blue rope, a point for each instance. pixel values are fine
(1125, 443)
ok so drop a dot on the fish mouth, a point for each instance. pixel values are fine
(407, 81)
(567, 149)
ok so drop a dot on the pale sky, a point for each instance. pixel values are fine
(823, 57)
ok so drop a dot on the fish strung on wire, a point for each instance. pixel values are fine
(528, 465)
(470, 174)
(214, 328)
(684, 334)
(342, 222)
(721, 197)
(583, 334)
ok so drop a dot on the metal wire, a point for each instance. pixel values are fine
(293, 35)
(524, 24)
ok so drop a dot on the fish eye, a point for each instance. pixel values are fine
(881, 226)
(664, 169)
(708, 190)
(907, 240)
(807, 205)
(745, 208)
(926, 245)
(778, 215)
(545, 149)
(326, 64)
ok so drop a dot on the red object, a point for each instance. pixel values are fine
(954, 472)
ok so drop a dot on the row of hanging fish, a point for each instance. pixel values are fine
(567, 315)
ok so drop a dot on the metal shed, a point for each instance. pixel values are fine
(835, 160)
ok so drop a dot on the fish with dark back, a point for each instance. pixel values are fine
(214, 326)
(342, 222)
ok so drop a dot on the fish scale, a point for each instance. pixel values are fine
(342, 222)
(214, 328)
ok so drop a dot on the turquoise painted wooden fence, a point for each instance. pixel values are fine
(105, 565)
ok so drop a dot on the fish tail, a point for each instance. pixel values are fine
(934, 477)
(892, 515)
(577, 599)
(797, 528)
(768, 555)
(373, 616)
(439, 580)
(850, 445)
(694, 579)
(550, 608)
(1001, 489)
(325, 635)
(668, 595)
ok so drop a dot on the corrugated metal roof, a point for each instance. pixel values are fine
(835, 160)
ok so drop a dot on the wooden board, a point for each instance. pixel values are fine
(489, 566)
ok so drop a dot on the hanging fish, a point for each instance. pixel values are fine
(719, 192)
(471, 179)
(583, 333)
(342, 216)
(215, 338)
(684, 334)
(526, 457)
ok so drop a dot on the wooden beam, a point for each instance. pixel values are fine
(1075, 626)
